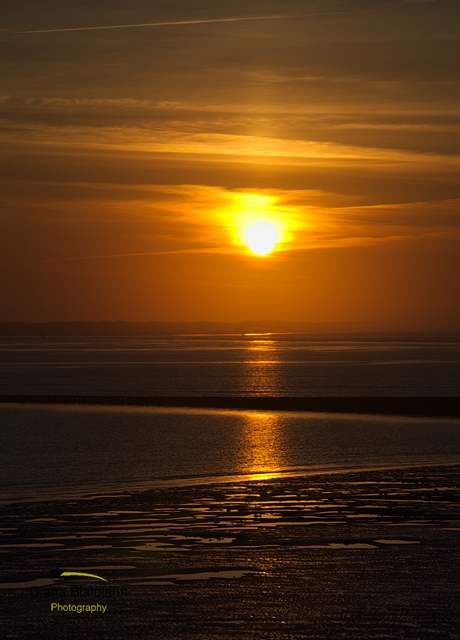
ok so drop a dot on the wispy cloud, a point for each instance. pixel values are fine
(278, 16)
(141, 254)
(184, 138)
(164, 24)
(174, 220)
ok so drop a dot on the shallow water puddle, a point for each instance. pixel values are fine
(385, 541)
(157, 546)
(104, 567)
(202, 575)
(40, 520)
(220, 540)
(90, 546)
(340, 545)
(40, 582)
(158, 583)
(33, 544)
(167, 543)
(413, 523)
(313, 522)
(77, 536)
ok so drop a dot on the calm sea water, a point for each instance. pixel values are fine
(56, 451)
(271, 365)
(53, 451)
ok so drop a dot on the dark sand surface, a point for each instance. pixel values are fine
(436, 406)
(358, 555)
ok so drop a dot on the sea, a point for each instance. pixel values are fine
(57, 452)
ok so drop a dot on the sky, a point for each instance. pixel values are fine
(139, 140)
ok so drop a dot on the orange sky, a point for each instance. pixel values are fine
(132, 159)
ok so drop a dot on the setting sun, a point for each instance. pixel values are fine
(261, 238)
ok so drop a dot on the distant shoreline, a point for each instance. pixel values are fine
(249, 330)
(447, 407)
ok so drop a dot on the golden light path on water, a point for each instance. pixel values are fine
(263, 444)
(262, 450)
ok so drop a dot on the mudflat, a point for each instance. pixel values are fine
(363, 554)
(436, 406)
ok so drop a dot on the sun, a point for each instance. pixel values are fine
(261, 238)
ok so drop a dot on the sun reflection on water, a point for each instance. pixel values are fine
(260, 373)
(263, 448)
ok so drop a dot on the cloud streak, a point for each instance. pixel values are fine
(304, 14)
(199, 220)
(137, 255)
(165, 24)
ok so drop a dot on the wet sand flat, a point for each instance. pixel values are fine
(363, 554)
(392, 406)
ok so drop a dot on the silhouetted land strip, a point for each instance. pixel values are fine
(400, 406)
(248, 330)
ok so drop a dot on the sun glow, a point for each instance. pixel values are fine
(258, 223)
(261, 238)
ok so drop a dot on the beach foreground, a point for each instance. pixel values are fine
(363, 554)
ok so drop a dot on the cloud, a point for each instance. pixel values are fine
(195, 139)
(104, 221)
(164, 24)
